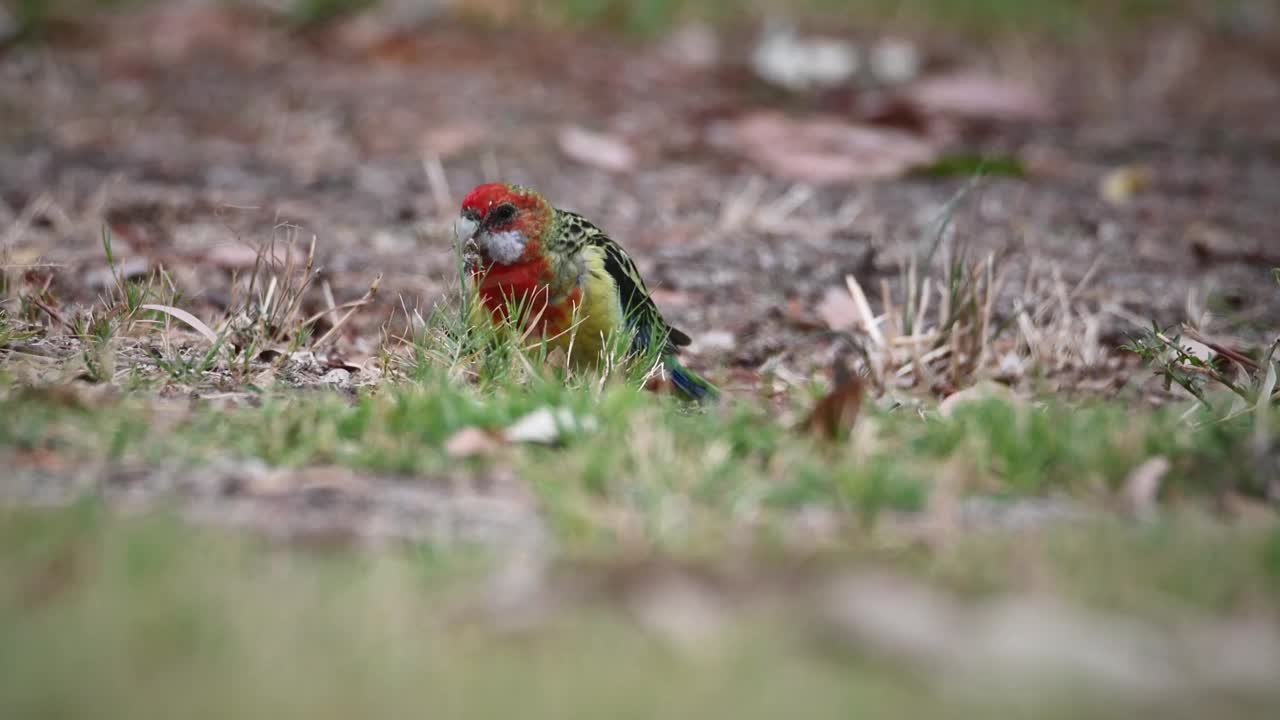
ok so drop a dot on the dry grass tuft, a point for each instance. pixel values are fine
(947, 327)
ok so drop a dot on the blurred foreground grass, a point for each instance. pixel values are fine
(109, 617)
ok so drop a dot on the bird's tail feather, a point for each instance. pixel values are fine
(691, 385)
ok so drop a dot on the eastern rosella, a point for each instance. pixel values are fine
(574, 284)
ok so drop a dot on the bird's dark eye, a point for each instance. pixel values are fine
(502, 214)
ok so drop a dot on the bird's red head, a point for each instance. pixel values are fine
(499, 207)
(504, 220)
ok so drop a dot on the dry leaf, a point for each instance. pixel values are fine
(838, 310)
(196, 323)
(606, 152)
(825, 149)
(1119, 186)
(834, 416)
(236, 256)
(472, 441)
(977, 96)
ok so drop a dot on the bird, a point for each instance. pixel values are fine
(571, 282)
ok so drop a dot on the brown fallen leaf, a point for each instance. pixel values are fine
(838, 309)
(823, 149)
(236, 256)
(473, 441)
(978, 96)
(834, 416)
(599, 150)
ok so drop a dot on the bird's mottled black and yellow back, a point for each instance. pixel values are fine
(573, 235)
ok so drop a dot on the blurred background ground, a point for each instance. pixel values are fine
(1061, 535)
(749, 165)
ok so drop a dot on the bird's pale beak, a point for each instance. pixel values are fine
(465, 228)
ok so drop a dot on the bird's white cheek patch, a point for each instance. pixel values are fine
(503, 247)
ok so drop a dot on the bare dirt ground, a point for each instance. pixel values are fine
(196, 135)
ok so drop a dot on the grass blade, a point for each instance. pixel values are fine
(194, 322)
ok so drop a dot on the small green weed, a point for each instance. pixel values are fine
(12, 331)
(1251, 380)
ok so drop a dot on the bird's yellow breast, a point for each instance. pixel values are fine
(580, 314)
(597, 315)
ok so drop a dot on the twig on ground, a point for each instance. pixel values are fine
(353, 307)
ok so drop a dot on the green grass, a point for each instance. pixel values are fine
(728, 468)
(11, 331)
